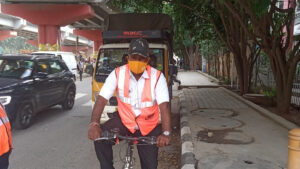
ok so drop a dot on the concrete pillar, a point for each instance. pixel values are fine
(49, 34)
(49, 18)
(94, 35)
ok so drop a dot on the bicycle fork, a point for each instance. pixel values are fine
(129, 160)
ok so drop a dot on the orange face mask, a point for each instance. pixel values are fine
(137, 67)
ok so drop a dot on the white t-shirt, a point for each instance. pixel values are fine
(136, 89)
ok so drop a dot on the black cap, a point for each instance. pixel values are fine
(140, 47)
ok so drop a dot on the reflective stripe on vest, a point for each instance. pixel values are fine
(139, 106)
(149, 117)
(123, 92)
(4, 119)
(5, 132)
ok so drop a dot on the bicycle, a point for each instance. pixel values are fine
(131, 141)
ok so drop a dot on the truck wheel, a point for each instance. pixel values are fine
(24, 116)
(69, 100)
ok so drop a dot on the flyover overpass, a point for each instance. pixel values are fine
(30, 31)
(27, 24)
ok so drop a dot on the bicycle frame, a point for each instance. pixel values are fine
(130, 141)
(129, 160)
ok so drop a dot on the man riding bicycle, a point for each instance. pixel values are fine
(142, 93)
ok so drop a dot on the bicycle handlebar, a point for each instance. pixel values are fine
(106, 135)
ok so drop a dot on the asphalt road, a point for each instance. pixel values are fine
(58, 139)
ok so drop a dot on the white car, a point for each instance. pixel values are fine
(68, 57)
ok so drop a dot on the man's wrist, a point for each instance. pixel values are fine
(166, 133)
(93, 123)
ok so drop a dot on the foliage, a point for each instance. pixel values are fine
(209, 48)
(189, 26)
(15, 45)
(270, 92)
(260, 7)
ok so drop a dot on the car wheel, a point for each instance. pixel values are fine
(69, 100)
(24, 116)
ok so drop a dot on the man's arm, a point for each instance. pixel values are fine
(95, 130)
(164, 140)
(165, 116)
(105, 94)
(162, 98)
(98, 109)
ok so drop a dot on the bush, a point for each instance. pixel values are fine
(270, 92)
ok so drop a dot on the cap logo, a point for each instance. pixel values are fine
(141, 43)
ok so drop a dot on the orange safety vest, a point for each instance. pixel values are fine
(149, 117)
(5, 132)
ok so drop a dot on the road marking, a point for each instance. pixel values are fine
(79, 95)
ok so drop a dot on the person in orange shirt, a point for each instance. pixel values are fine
(5, 139)
(142, 93)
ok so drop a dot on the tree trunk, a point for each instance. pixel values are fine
(216, 70)
(208, 66)
(228, 63)
(223, 67)
(284, 76)
(283, 96)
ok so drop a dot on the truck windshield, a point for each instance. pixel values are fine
(109, 59)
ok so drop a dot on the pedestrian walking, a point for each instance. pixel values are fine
(80, 68)
(142, 93)
(5, 139)
(181, 63)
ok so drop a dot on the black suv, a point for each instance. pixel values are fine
(31, 83)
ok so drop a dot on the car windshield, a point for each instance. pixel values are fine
(14, 68)
(112, 58)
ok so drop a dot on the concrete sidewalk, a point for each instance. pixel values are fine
(219, 131)
(194, 79)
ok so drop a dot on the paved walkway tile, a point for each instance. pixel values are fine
(227, 134)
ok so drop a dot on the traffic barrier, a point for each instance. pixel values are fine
(294, 149)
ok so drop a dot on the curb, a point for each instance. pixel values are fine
(188, 160)
(208, 76)
(281, 121)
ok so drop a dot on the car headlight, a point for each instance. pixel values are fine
(5, 100)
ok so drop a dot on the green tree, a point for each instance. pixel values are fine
(272, 26)
(189, 27)
(245, 50)
(198, 20)
(15, 44)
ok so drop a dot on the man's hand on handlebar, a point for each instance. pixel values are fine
(94, 132)
(163, 140)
